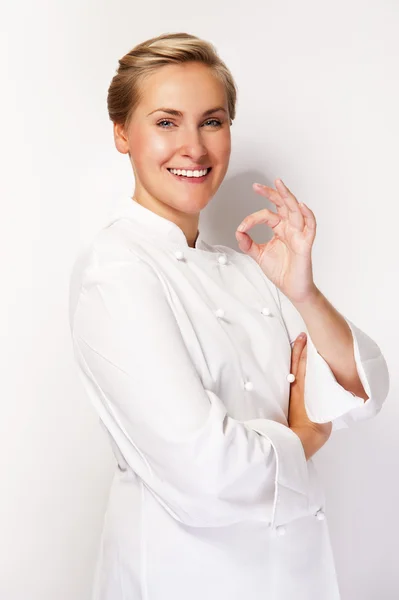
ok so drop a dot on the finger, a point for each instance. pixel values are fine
(301, 370)
(269, 193)
(246, 243)
(297, 350)
(273, 196)
(287, 196)
(260, 216)
(296, 217)
(310, 219)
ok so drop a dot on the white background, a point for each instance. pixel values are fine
(317, 106)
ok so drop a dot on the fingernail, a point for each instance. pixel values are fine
(302, 336)
(241, 227)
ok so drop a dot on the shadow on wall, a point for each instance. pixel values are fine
(235, 200)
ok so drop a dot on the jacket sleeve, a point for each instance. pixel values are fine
(204, 467)
(325, 399)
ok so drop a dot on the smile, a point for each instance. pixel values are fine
(185, 179)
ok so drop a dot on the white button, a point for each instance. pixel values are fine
(219, 313)
(266, 311)
(291, 377)
(248, 385)
(280, 530)
(222, 259)
(320, 515)
(179, 254)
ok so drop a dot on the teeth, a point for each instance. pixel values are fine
(189, 173)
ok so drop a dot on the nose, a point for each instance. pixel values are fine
(193, 145)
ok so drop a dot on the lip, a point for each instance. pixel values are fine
(188, 168)
(190, 180)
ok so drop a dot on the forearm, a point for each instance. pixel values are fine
(332, 338)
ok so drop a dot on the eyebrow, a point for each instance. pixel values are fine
(177, 113)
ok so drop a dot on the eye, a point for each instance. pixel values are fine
(164, 121)
(167, 121)
(215, 121)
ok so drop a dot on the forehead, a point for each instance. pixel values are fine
(176, 86)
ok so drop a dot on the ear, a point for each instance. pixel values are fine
(120, 138)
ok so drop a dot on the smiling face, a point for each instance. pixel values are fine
(157, 140)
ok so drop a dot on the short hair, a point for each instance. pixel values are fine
(145, 58)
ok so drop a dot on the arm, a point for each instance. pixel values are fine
(335, 372)
(204, 467)
(327, 397)
(332, 338)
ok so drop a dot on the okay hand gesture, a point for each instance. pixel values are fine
(286, 259)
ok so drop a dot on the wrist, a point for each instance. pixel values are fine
(311, 441)
(313, 297)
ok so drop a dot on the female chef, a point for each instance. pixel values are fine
(190, 355)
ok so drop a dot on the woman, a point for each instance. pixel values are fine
(185, 350)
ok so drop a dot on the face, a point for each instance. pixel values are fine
(157, 140)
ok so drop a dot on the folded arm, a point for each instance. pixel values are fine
(203, 466)
(347, 378)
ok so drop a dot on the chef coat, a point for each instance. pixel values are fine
(185, 354)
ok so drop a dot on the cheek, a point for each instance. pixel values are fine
(222, 146)
(158, 147)
(150, 149)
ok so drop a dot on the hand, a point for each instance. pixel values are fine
(286, 259)
(313, 435)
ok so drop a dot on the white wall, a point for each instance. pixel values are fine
(318, 106)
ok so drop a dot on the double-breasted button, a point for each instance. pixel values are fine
(291, 377)
(179, 255)
(248, 385)
(281, 530)
(222, 259)
(219, 313)
(320, 515)
(266, 311)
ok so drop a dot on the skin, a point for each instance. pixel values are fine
(161, 140)
(286, 259)
(312, 435)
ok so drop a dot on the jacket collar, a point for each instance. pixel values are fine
(154, 226)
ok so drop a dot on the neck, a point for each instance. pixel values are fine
(187, 223)
(192, 244)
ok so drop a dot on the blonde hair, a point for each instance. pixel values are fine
(145, 58)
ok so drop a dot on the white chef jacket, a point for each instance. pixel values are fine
(184, 353)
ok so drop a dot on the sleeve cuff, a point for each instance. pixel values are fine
(291, 497)
(326, 400)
